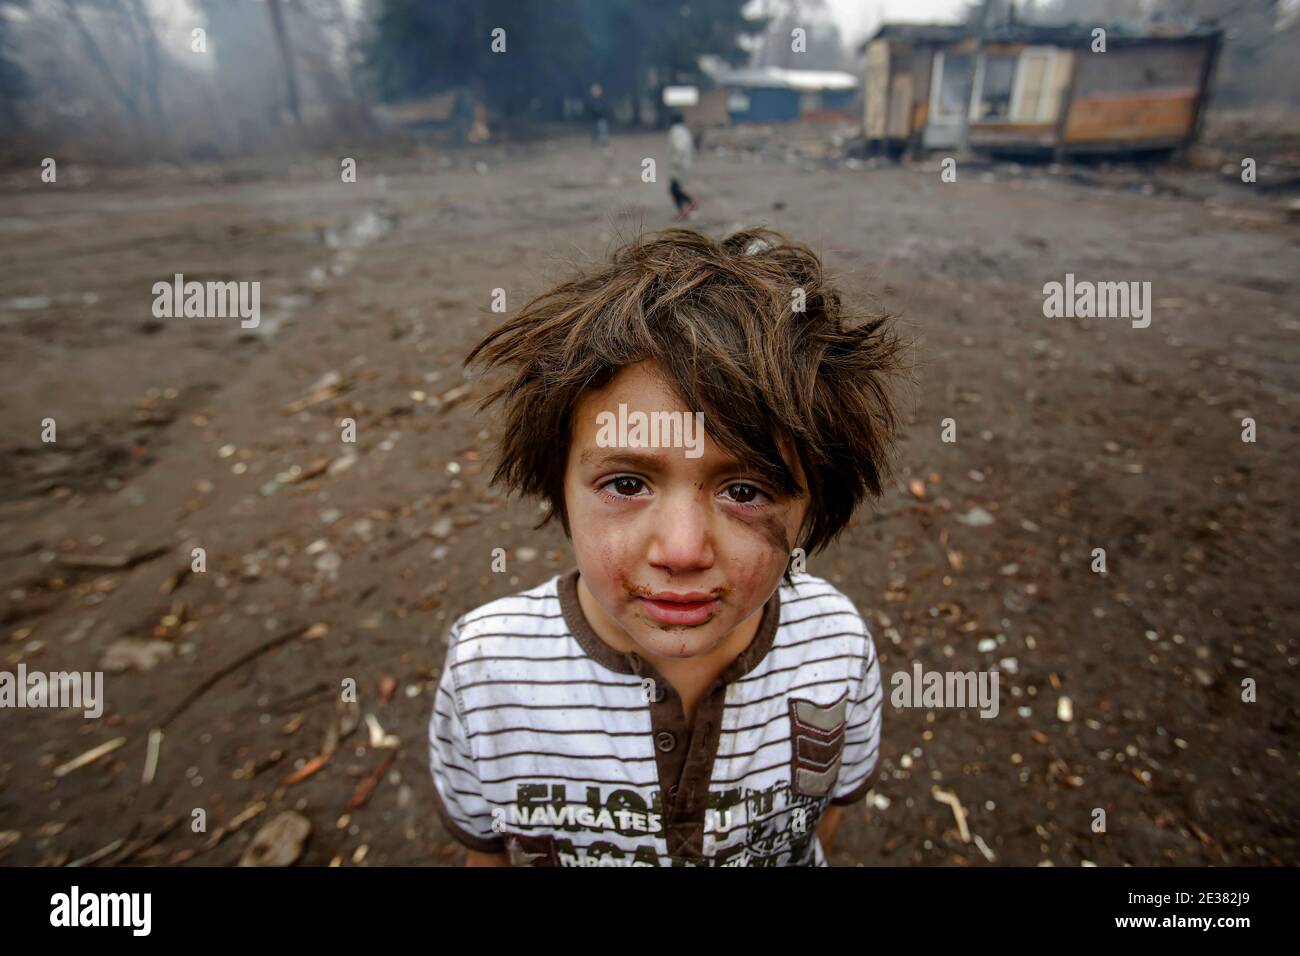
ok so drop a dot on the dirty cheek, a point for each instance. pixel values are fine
(755, 573)
(771, 527)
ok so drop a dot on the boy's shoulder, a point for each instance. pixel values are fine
(809, 598)
(815, 613)
(519, 616)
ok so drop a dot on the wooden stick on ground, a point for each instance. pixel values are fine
(210, 681)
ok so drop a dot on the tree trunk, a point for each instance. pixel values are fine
(97, 57)
(152, 82)
(286, 57)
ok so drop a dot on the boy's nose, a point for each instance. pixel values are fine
(680, 536)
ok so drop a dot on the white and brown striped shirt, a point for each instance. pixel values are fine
(547, 743)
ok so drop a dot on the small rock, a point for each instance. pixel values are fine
(977, 517)
(1064, 710)
(279, 843)
(133, 653)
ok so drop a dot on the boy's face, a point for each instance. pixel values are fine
(677, 549)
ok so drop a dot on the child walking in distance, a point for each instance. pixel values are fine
(686, 694)
(681, 155)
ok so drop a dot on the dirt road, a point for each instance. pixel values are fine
(1070, 435)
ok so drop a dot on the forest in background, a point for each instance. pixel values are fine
(141, 80)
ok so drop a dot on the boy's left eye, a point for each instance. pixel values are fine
(744, 493)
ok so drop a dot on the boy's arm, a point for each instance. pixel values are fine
(457, 791)
(861, 742)
(830, 822)
(475, 858)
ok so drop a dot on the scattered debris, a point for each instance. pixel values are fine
(958, 811)
(209, 682)
(135, 653)
(151, 756)
(89, 757)
(238, 821)
(976, 517)
(307, 769)
(100, 853)
(363, 793)
(378, 739)
(328, 386)
(114, 562)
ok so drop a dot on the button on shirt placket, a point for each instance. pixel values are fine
(686, 816)
(684, 757)
(673, 747)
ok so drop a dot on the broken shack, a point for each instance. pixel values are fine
(1036, 89)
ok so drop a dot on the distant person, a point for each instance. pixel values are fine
(600, 112)
(463, 115)
(681, 154)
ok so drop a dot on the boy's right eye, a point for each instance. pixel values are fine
(625, 486)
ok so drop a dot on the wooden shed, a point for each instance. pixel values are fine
(1035, 89)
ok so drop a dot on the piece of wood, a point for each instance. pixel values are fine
(367, 788)
(89, 757)
(307, 769)
(283, 638)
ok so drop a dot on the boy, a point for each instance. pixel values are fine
(681, 154)
(670, 701)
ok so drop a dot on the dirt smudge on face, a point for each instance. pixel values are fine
(645, 592)
(772, 529)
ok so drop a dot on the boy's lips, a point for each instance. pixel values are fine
(667, 607)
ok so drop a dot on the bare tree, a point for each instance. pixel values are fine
(96, 56)
(151, 74)
(286, 57)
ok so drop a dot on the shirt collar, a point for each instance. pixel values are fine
(627, 662)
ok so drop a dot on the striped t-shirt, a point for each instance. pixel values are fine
(548, 744)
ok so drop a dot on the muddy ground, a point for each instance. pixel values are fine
(328, 561)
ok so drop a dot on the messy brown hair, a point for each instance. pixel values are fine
(719, 317)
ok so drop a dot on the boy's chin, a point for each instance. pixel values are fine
(676, 641)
